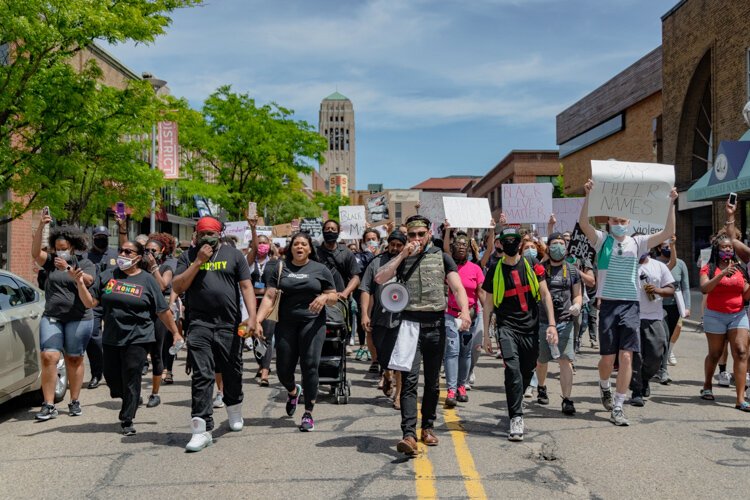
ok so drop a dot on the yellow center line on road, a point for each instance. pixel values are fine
(424, 473)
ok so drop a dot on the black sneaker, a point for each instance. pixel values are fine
(568, 408)
(636, 400)
(128, 430)
(74, 408)
(646, 390)
(292, 401)
(541, 395)
(606, 395)
(47, 412)
(307, 424)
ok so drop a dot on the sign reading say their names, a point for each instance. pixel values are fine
(629, 190)
(524, 203)
(353, 222)
(468, 212)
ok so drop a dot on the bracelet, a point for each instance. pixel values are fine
(123, 232)
(153, 269)
(729, 222)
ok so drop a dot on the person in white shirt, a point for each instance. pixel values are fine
(656, 282)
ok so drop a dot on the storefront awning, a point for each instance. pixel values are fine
(730, 173)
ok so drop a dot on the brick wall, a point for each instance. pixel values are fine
(633, 143)
(19, 248)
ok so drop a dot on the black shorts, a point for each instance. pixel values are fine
(619, 327)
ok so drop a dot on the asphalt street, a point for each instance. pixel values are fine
(677, 446)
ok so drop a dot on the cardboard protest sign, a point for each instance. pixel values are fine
(431, 206)
(295, 225)
(630, 190)
(524, 203)
(580, 246)
(313, 227)
(467, 212)
(237, 229)
(647, 228)
(282, 230)
(567, 211)
(377, 208)
(279, 241)
(382, 230)
(353, 222)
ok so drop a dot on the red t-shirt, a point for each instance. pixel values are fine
(727, 296)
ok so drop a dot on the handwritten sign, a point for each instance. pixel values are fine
(353, 222)
(527, 202)
(704, 257)
(431, 206)
(631, 190)
(567, 211)
(313, 227)
(237, 229)
(580, 246)
(647, 228)
(467, 212)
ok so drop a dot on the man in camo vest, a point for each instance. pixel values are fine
(424, 269)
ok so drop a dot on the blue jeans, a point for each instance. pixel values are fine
(458, 346)
(69, 338)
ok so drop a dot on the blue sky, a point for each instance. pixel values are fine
(439, 87)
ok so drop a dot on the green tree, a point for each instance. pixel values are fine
(331, 203)
(290, 205)
(242, 152)
(62, 131)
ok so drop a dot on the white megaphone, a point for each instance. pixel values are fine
(394, 297)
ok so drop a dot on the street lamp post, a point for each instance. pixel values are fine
(156, 84)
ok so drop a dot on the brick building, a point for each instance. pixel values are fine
(450, 184)
(518, 166)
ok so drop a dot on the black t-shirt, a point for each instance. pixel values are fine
(510, 314)
(61, 292)
(339, 261)
(259, 272)
(300, 286)
(130, 304)
(163, 268)
(379, 316)
(560, 281)
(102, 260)
(213, 297)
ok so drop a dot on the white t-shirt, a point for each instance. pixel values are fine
(619, 281)
(659, 275)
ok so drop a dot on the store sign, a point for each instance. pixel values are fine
(169, 157)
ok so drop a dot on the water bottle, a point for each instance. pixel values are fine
(176, 347)
(554, 349)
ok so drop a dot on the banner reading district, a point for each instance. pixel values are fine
(631, 190)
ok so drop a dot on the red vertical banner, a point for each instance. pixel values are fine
(169, 158)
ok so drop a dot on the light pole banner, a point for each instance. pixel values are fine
(169, 157)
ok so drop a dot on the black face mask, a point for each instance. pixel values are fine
(511, 249)
(211, 241)
(330, 237)
(101, 243)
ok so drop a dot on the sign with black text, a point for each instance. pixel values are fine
(580, 246)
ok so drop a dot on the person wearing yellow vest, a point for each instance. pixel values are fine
(514, 289)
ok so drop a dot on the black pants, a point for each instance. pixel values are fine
(647, 362)
(122, 371)
(166, 358)
(300, 341)
(520, 352)
(430, 348)
(672, 317)
(157, 348)
(94, 349)
(384, 339)
(269, 327)
(214, 350)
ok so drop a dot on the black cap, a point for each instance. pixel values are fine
(555, 236)
(397, 235)
(101, 230)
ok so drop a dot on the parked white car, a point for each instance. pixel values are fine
(21, 308)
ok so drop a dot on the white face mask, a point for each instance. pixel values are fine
(63, 254)
(125, 263)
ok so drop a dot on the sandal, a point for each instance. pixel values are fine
(264, 382)
(708, 395)
(744, 406)
(167, 378)
(374, 367)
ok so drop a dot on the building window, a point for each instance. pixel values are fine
(398, 212)
(596, 134)
(703, 141)
(492, 200)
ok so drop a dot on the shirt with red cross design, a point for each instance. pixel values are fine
(519, 310)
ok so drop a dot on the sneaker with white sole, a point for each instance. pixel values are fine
(672, 359)
(516, 429)
(201, 437)
(219, 400)
(47, 412)
(724, 379)
(529, 392)
(234, 414)
(618, 417)
(472, 378)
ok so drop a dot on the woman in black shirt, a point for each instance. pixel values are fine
(132, 300)
(66, 324)
(307, 287)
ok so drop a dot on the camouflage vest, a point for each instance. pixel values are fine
(426, 285)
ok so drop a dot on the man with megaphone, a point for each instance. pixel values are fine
(423, 269)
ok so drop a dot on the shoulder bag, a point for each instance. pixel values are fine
(274, 314)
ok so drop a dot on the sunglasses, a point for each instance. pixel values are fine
(127, 251)
(619, 249)
(420, 234)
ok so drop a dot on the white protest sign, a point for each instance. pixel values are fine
(648, 228)
(353, 222)
(279, 241)
(431, 206)
(467, 212)
(567, 211)
(629, 190)
(524, 203)
(237, 229)
(704, 257)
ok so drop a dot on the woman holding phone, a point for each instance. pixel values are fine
(132, 301)
(67, 323)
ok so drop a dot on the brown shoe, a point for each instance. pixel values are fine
(429, 438)
(408, 446)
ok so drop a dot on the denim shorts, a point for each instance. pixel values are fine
(69, 337)
(719, 323)
(564, 341)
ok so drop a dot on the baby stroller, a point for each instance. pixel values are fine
(332, 369)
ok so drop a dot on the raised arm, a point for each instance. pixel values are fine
(39, 255)
(447, 231)
(253, 253)
(583, 218)
(669, 227)
(742, 250)
(183, 281)
(551, 224)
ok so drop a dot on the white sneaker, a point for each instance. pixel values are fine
(516, 429)
(724, 379)
(472, 378)
(201, 438)
(529, 392)
(236, 422)
(672, 359)
(219, 400)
